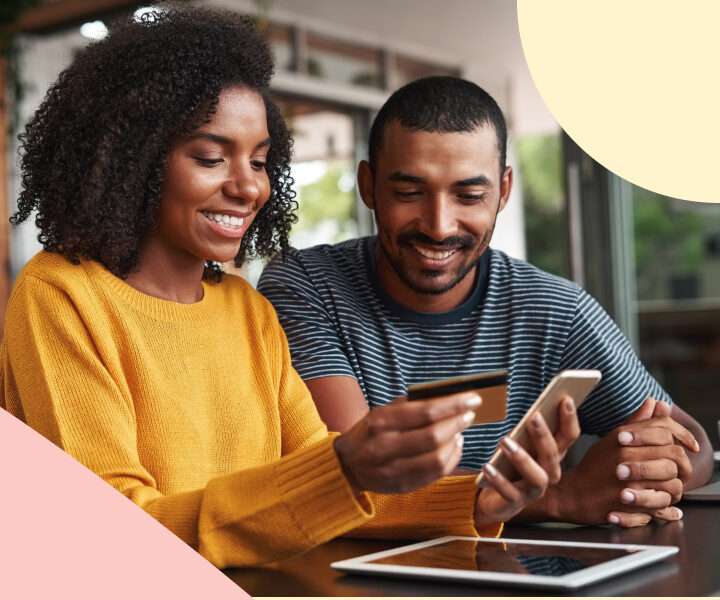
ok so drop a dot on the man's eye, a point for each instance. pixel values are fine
(407, 194)
(208, 162)
(471, 198)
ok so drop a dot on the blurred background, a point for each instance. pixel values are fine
(653, 262)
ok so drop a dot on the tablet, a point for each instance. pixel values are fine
(507, 562)
(709, 493)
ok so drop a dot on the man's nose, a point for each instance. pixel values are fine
(438, 222)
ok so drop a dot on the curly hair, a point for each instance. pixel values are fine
(93, 156)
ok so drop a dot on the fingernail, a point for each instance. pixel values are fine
(536, 421)
(697, 446)
(468, 417)
(679, 513)
(623, 472)
(474, 401)
(459, 440)
(625, 437)
(569, 406)
(511, 444)
(613, 519)
(490, 470)
(627, 496)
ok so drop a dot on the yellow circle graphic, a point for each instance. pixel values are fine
(635, 83)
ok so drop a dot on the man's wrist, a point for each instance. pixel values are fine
(340, 451)
(547, 508)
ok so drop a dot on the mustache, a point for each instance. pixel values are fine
(454, 241)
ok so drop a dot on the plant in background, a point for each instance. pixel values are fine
(669, 243)
(540, 159)
(327, 205)
(10, 11)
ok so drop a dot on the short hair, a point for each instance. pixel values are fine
(439, 104)
(93, 157)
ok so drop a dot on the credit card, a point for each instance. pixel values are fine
(492, 387)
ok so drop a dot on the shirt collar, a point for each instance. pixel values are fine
(424, 318)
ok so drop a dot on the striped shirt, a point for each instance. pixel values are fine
(340, 321)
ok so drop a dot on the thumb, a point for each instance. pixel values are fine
(645, 411)
(662, 409)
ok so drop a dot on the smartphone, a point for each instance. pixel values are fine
(574, 383)
(492, 387)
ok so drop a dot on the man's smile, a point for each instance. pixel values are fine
(434, 254)
(434, 257)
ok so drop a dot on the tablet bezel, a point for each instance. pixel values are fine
(643, 555)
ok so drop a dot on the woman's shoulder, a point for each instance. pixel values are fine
(53, 269)
(47, 282)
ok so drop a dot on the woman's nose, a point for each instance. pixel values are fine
(242, 184)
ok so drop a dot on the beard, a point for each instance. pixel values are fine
(432, 281)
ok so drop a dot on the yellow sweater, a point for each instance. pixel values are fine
(195, 413)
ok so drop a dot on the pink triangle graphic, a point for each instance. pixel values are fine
(65, 533)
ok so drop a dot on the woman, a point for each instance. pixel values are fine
(155, 157)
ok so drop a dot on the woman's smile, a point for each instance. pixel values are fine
(228, 223)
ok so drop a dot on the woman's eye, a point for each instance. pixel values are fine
(258, 165)
(208, 162)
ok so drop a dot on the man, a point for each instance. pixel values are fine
(427, 299)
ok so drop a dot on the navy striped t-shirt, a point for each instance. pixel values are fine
(340, 321)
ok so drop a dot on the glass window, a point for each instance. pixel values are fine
(281, 39)
(677, 262)
(324, 171)
(343, 62)
(408, 69)
(323, 168)
(677, 248)
(541, 176)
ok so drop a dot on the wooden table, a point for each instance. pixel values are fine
(694, 571)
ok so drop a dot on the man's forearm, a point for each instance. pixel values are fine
(702, 462)
(579, 497)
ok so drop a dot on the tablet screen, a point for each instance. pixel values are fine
(504, 557)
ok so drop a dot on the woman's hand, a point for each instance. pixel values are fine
(505, 499)
(404, 446)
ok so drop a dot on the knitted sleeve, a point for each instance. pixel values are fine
(54, 380)
(445, 507)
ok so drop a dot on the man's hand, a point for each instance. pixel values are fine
(505, 499)
(404, 446)
(661, 435)
(633, 474)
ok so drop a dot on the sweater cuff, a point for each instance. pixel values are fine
(446, 507)
(316, 473)
(455, 515)
(270, 512)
